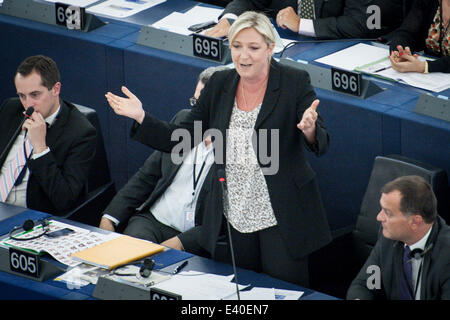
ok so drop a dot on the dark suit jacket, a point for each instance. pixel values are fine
(59, 178)
(148, 184)
(293, 190)
(414, 31)
(387, 254)
(335, 19)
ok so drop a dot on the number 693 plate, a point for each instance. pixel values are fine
(24, 262)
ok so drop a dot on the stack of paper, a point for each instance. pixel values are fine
(122, 8)
(60, 248)
(179, 22)
(117, 252)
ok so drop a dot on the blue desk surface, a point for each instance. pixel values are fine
(16, 287)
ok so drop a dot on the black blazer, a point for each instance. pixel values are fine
(149, 183)
(335, 19)
(388, 254)
(59, 178)
(293, 190)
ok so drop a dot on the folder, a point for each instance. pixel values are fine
(114, 253)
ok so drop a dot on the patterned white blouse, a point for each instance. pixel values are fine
(248, 206)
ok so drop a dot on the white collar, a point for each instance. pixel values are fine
(52, 118)
(422, 242)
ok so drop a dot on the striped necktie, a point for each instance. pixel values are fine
(15, 170)
(306, 9)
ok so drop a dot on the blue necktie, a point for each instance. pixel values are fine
(406, 280)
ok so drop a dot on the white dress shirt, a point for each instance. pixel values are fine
(417, 263)
(176, 206)
(18, 194)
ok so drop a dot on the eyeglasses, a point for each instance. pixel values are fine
(193, 101)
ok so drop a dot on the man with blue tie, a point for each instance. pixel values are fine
(324, 19)
(411, 259)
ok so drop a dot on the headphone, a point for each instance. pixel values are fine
(146, 269)
(418, 253)
(29, 225)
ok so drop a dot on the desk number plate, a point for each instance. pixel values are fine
(24, 262)
(346, 81)
(207, 47)
(69, 16)
(158, 294)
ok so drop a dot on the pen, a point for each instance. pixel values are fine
(180, 267)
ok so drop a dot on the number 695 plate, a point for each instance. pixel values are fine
(207, 47)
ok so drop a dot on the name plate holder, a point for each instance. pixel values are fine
(322, 78)
(177, 43)
(47, 269)
(43, 12)
(433, 106)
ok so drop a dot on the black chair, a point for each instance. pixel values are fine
(384, 170)
(100, 188)
(348, 253)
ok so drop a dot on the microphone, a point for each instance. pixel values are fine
(28, 114)
(223, 183)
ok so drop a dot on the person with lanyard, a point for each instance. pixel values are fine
(46, 167)
(412, 253)
(427, 27)
(273, 204)
(337, 19)
(162, 201)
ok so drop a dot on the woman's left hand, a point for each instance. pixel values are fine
(308, 123)
(404, 61)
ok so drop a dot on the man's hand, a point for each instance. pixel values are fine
(173, 243)
(308, 123)
(37, 131)
(288, 18)
(107, 224)
(219, 30)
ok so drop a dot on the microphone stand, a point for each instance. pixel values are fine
(222, 180)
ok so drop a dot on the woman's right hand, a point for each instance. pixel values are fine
(130, 107)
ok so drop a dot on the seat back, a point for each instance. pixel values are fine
(99, 174)
(386, 169)
(100, 188)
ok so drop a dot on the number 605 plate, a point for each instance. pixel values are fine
(24, 262)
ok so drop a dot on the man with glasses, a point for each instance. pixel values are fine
(163, 199)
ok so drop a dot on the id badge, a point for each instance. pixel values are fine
(189, 219)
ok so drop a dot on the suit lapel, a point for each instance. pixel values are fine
(54, 131)
(318, 5)
(272, 94)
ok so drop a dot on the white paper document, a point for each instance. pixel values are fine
(122, 8)
(77, 3)
(375, 61)
(193, 285)
(60, 248)
(180, 22)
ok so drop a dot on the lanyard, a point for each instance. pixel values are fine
(196, 179)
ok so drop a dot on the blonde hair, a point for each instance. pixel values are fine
(255, 20)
